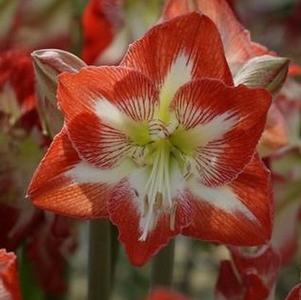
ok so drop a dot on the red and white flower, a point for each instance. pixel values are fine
(162, 144)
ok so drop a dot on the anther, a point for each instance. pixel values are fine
(146, 205)
(172, 219)
(158, 201)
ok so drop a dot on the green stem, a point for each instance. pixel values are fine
(99, 261)
(114, 252)
(77, 34)
(162, 266)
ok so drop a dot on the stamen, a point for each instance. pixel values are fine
(158, 201)
(157, 130)
(172, 219)
(160, 130)
(157, 189)
(146, 205)
(188, 171)
(138, 154)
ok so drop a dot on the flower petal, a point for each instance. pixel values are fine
(236, 39)
(124, 200)
(275, 135)
(16, 223)
(229, 285)
(100, 21)
(171, 57)
(295, 293)
(111, 104)
(294, 70)
(48, 249)
(165, 294)
(66, 185)
(174, 8)
(9, 283)
(285, 229)
(223, 123)
(249, 275)
(236, 214)
(265, 262)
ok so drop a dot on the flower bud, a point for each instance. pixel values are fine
(48, 64)
(263, 71)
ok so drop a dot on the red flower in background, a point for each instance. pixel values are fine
(18, 118)
(9, 282)
(20, 151)
(248, 276)
(295, 293)
(100, 20)
(164, 294)
(49, 247)
(34, 25)
(18, 100)
(158, 153)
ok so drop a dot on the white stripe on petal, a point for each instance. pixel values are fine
(222, 197)
(110, 114)
(179, 73)
(84, 172)
(216, 128)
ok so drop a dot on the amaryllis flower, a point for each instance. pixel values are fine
(162, 144)
(249, 275)
(9, 282)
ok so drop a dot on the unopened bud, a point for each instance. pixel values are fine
(263, 71)
(48, 64)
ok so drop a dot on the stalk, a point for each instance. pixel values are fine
(99, 260)
(162, 266)
(114, 252)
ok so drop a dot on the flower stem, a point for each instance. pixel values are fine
(99, 261)
(162, 266)
(114, 252)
